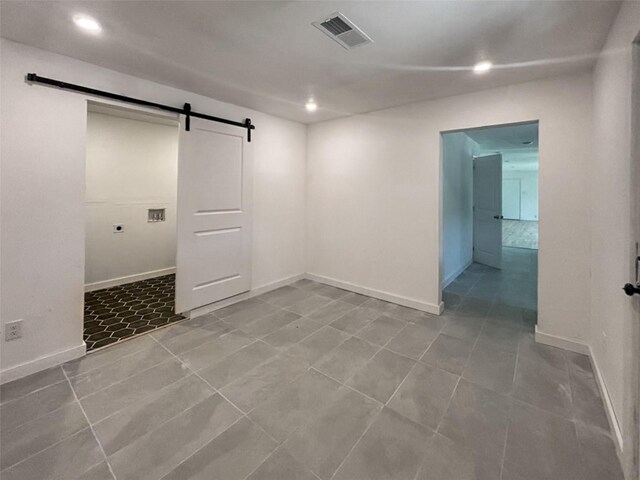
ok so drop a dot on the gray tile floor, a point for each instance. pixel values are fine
(311, 382)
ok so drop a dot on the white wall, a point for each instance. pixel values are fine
(374, 196)
(614, 317)
(528, 192)
(42, 203)
(457, 204)
(132, 166)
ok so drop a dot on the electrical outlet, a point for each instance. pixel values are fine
(13, 330)
(118, 227)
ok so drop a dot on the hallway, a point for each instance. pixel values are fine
(515, 285)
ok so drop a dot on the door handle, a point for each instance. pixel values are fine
(498, 217)
(629, 288)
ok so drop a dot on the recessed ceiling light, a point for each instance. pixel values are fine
(311, 105)
(87, 23)
(482, 67)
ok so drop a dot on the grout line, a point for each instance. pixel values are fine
(544, 411)
(261, 463)
(446, 410)
(120, 380)
(567, 369)
(400, 385)
(233, 330)
(331, 350)
(111, 362)
(347, 386)
(47, 448)
(460, 377)
(93, 432)
(31, 420)
(271, 455)
(369, 361)
(504, 448)
(148, 396)
(190, 328)
(147, 399)
(196, 451)
(473, 349)
(510, 395)
(243, 413)
(351, 450)
(307, 316)
(217, 391)
(194, 372)
(11, 402)
(7, 402)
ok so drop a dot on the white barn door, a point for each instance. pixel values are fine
(487, 210)
(214, 214)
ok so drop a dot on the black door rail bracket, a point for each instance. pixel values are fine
(186, 110)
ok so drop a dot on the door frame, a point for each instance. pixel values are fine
(635, 218)
(141, 112)
(136, 113)
(442, 186)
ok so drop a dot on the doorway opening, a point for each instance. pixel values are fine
(490, 218)
(130, 236)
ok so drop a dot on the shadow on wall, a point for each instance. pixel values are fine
(516, 183)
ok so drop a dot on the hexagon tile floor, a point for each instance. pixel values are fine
(117, 313)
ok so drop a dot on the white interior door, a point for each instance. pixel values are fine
(487, 210)
(635, 202)
(511, 198)
(214, 214)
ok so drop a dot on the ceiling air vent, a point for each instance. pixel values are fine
(340, 29)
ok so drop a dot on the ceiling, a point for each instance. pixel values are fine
(266, 55)
(512, 141)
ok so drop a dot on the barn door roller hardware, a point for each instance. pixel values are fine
(186, 110)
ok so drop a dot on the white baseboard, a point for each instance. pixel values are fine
(114, 282)
(42, 363)
(254, 292)
(608, 403)
(561, 342)
(585, 349)
(389, 297)
(455, 274)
